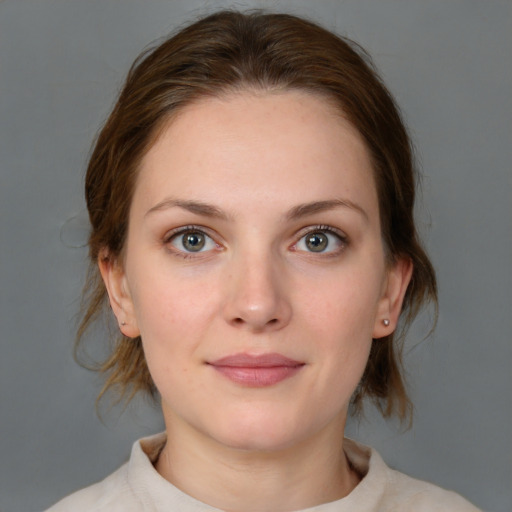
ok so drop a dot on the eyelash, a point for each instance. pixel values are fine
(310, 230)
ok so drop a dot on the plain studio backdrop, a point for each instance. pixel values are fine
(449, 65)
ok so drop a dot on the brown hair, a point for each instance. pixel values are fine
(230, 51)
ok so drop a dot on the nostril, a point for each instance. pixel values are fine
(240, 321)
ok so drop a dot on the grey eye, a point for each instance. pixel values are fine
(193, 241)
(316, 242)
(321, 241)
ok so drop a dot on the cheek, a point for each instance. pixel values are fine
(340, 318)
(173, 318)
(344, 304)
(169, 305)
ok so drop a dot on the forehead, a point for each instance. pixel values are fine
(262, 142)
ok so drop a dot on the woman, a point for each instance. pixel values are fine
(251, 199)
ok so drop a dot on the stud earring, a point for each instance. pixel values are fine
(123, 323)
(385, 322)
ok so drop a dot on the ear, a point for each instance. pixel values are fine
(390, 304)
(119, 295)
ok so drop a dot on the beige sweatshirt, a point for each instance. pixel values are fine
(137, 486)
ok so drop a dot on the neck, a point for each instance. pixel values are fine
(311, 472)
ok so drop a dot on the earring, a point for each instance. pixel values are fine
(385, 322)
(123, 323)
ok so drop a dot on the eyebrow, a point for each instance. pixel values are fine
(301, 210)
(197, 207)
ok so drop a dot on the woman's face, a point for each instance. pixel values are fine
(254, 269)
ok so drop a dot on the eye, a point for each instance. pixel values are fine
(321, 240)
(191, 240)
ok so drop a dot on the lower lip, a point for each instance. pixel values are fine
(258, 377)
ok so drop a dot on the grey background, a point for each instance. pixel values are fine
(449, 65)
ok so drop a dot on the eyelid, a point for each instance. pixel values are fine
(169, 235)
(322, 227)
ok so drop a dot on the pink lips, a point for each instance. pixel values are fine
(257, 371)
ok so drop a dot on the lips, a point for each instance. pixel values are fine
(257, 371)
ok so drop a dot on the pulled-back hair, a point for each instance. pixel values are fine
(232, 51)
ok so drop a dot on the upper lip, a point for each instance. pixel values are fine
(255, 361)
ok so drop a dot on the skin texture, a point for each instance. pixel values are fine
(256, 287)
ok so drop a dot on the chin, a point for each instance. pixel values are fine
(267, 434)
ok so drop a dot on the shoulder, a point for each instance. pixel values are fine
(128, 489)
(387, 490)
(112, 494)
(405, 494)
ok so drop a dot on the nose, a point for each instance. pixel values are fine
(258, 295)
